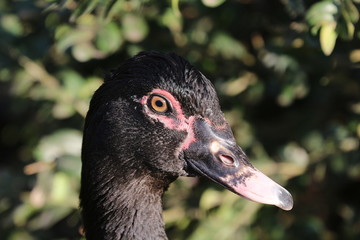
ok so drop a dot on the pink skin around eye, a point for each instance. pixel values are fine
(180, 123)
(175, 104)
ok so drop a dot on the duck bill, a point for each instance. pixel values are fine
(215, 155)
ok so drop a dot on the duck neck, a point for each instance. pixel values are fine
(123, 208)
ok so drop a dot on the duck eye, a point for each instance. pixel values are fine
(159, 104)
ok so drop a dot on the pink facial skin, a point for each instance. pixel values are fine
(254, 186)
(179, 123)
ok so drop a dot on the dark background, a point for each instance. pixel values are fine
(287, 74)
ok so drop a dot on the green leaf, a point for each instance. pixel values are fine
(23, 213)
(227, 46)
(72, 81)
(212, 3)
(170, 20)
(175, 7)
(209, 199)
(11, 24)
(85, 7)
(88, 88)
(63, 110)
(20, 234)
(324, 11)
(135, 27)
(84, 52)
(328, 38)
(350, 30)
(60, 191)
(350, 16)
(68, 37)
(351, 10)
(109, 38)
(286, 97)
(62, 142)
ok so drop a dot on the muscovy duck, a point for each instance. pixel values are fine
(156, 118)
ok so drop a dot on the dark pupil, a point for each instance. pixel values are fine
(159, 103)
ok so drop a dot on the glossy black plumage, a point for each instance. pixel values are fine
(130, 154)
(121, 146)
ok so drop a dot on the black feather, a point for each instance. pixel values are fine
(129, 161)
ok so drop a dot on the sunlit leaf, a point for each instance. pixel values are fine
(328, 38)
(227, 46)
(209, 199)
(63, 110)
(135, 27)
(61, 192)
(72, 81)
(11, 24)
(23, 83)
(213, 3)
(286, 96)
(294, 153)
(84, 51)
(323, 11)
(68, 37)
(88, 87)
(173, 22)
(109, 38)
(175, 7)
(58, 144)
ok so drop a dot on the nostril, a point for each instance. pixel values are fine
(227, 160)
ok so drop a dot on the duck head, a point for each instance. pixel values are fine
(168, 116)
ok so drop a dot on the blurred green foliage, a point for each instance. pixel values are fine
(288, 76)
